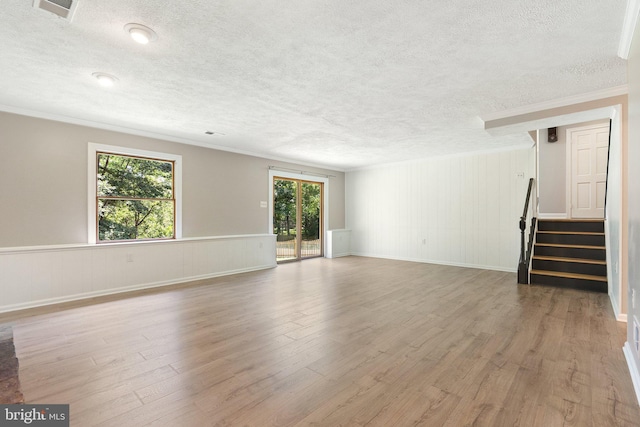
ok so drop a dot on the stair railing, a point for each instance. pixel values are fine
(606, 182)
(526, 246)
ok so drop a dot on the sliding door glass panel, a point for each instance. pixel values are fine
(285, 218)
(311, 243)
(297, 219)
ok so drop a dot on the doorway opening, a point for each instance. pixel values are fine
(298, 218)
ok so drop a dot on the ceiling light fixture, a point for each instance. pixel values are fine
(141, 33)
(106, 80)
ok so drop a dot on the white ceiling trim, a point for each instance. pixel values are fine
(628, 28)
(557, 103)
(443, 156)
(154, 135)
(553, 121)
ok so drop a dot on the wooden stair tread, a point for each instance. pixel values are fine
(558, 245)
(561, 259)
(569, 275)
(582, 233)
(572, 258)
(570, 220)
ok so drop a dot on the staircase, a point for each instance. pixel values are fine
(570, 253)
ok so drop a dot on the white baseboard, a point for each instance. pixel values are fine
(620, 317)
(340, 255)
(633, 369)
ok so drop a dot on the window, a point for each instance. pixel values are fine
(135, 195)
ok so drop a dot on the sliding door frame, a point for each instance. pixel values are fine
(274, 173)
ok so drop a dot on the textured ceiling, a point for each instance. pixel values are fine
(339, 83)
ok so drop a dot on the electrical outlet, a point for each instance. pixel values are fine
(424, 241)
(129, 257)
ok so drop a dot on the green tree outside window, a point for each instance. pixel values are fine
(135, 198)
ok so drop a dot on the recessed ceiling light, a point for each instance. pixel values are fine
(141, 33)
(106, 80)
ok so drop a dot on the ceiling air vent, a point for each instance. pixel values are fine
(63, 8)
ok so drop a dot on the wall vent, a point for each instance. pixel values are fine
(65, 9)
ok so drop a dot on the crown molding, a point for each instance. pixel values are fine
(628, 28)
(495, 150)
(148, 134)
(557, 103)
(524, 123)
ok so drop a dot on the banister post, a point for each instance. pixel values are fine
(522, 265)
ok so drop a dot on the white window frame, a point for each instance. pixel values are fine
(94, 149)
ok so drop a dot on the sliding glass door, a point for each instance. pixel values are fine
(297, 218)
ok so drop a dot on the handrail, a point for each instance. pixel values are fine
(526, 202)
(525, 254)
(606, 182)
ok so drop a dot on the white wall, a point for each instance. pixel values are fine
(553, 176)
(450, 210)
(44, 204)
(633, 314)
(613, 222)
(44, 180)
(551, 182)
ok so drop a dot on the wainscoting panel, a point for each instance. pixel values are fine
(338, 243)
(460, 210)
(36, 276)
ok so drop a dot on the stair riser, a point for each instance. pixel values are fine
(571, 239)
(570, 267)
(564, 282)
(595, 254)
(580, 226)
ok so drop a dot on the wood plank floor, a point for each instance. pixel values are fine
(342, 342)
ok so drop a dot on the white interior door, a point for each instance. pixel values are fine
(589, 152)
